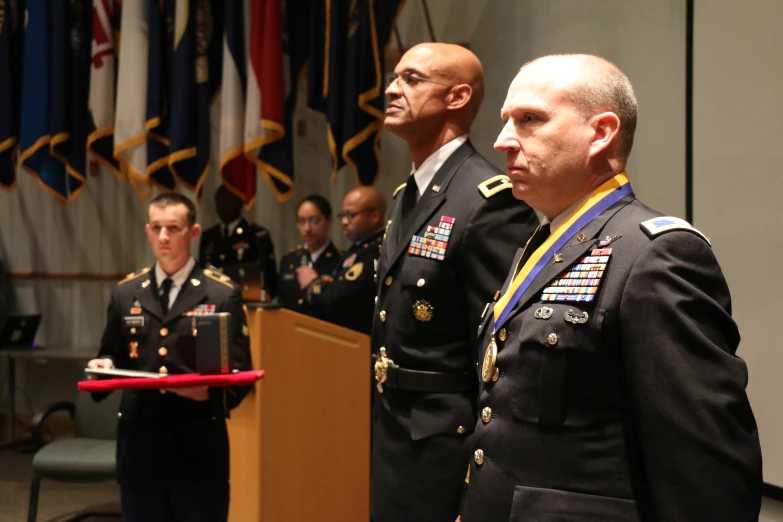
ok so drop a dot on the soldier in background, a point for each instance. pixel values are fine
(313, 219)
(235, 241)
(346, 296)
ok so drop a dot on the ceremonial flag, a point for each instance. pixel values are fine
(264, 109)
(161, 37)
(364, 107)
(318, 54)
(238, 173)
(11, 39)
(277, 156)
(34, 134)
(71, 24)
(356, 36)
(100, 141)
(130, 135)
(192, 89)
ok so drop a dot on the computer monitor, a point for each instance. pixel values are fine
(19, 331)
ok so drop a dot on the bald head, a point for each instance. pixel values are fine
(438, 93)
(594, 85)
(363, 212)
(456, 65)
(367, 197)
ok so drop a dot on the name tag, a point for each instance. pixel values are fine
(134, 321)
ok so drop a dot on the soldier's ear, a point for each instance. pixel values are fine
(459, 96)
(195, 230)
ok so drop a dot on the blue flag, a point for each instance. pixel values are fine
(70, 58)
(195, 73)
(11, 39)
(356, 33)
(161, 37)
(34, 137)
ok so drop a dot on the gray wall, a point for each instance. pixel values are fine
(738, 110)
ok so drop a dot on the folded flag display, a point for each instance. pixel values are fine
(185, 380)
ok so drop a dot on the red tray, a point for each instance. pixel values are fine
(184, 380)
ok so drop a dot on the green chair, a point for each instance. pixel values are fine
(89, 456)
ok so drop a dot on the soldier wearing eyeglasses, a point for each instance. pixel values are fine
(313, 219)
(346, 296)
(453, 230)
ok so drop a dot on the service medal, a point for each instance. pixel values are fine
(490, 357)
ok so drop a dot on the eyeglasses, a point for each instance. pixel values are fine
(313, 221)
(410, 78)
(351, 215)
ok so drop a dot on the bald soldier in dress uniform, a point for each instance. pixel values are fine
(346, 297)
(611, 390)
(236, 241)
(453, 229)
(172, 446)
(313, 219)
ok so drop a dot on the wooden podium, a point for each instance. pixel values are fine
(300, 442)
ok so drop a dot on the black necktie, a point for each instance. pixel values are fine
(409, 198)
(165, 288)
(536, 241)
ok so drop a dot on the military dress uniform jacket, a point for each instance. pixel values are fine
(430, 299)
(291, 295)
(628, 408)
(248, 243)
(346, 297)
(164, 439)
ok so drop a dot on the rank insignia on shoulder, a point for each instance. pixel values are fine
(660, 225)
(394, 194)
(494, 185)
(134, 275)
(218, 277)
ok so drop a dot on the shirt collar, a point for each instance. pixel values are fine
(315, 255)
(563, 215)
(426, 171)
(232, 226)
(178, 278)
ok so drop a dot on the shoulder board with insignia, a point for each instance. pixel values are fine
(134, 275)
(394, 194)
(218, 276)
(494, 185)
(660, 225)
(297, 248)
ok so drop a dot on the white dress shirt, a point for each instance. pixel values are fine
(426, 171)
(228, 229)
(315, 255)
(178, 279)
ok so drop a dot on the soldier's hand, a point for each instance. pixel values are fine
(459, 518)
(197, 393)
(96, 364)
(305, 275)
